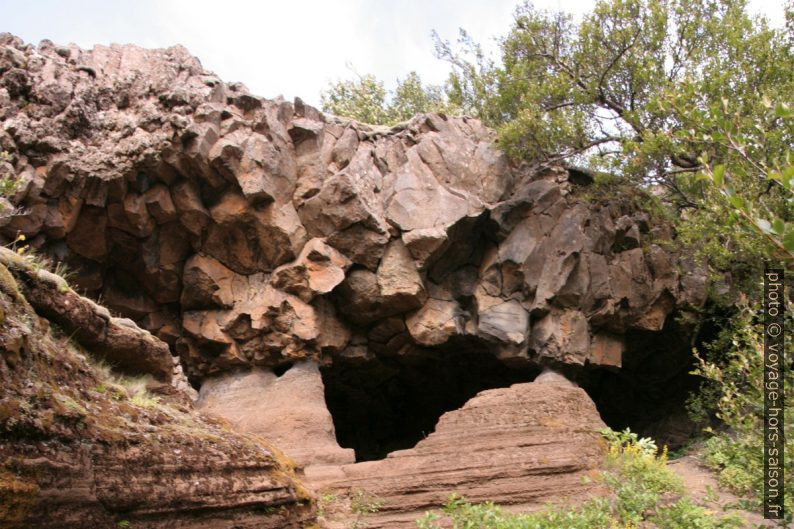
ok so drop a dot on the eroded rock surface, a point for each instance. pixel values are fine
(82, 449)
(521, 446)
(289, 410)
(117, 341)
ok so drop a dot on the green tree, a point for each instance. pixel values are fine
(411, 97)
(362, 99)
(747, 201)
(598, 91)
(732, 368)
(366, 99)
(688, 98)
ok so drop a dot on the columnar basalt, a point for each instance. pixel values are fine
(251, 235)
(245, 231)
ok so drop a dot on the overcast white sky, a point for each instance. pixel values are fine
(293, 47)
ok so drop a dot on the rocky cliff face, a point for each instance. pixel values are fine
(414, 264)
(246, 231)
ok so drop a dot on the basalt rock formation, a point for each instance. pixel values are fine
(246, 231)
(400, 271)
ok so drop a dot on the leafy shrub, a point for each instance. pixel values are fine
(628, 439)
(362, 504)
(684, 514)
(9, 183)
(733, 368)
(366, 99)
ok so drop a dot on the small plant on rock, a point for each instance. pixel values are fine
(363, 503)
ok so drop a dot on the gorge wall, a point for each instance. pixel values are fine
(410, 267)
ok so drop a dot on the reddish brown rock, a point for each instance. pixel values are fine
(159, 204)
(562, 336)
(28, 222)
(607, 350)
(118, 341)
(107, 455)
(523, 446)
(288, 409)
(398, 280)
(317, 270)
(249, 240)
(207, 284)
(192, 213)
(435, 323)
(424, 242)
(140, 223)
(62, 218)
(264, 173)
(89, 238)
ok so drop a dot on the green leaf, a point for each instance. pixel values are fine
(778, 226)
(782, 110)
(700, 175)
(788, 239)
(719, 175)
(787, 178)
(737, 202)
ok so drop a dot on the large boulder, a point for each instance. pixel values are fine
(521, 446)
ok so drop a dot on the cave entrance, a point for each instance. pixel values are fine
(649, 393)
(392, 403)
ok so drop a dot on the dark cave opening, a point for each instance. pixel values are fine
(392, 403)
(649, 393)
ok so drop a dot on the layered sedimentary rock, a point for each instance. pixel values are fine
(521, 446)
(83, 449)
(117, 341)
(289, 410)
(253, 232)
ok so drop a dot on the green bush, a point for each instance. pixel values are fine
(9, 183)
(366, 99)
(733, 368)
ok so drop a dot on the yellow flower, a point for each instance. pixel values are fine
(21, 237)
(21, 250)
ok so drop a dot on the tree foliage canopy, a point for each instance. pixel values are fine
(365, 99)
(625, 87)
(666, 94)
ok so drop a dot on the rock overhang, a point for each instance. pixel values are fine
(252, 232)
